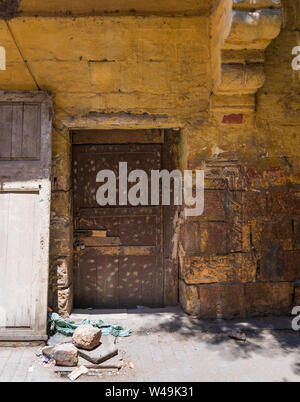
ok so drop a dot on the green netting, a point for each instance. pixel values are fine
(68, 328)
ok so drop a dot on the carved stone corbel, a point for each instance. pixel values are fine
(251, 26)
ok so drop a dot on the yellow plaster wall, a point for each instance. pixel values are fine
(96, 64)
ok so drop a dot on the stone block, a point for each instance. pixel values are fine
(60, 204)
(237, 267)
(213, 237)
(279, 265)
(61, 238)
(268, 298)
(221, 301)
(297, 296)
(61, 161)
(105, 351)
(283, 202)
(255, 203)
(214, 205)
(87, 337)
(65, 355)
(267, 235)
(189, 299)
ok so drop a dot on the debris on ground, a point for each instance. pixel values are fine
(48, 351)
(82, 346)
(67, 328)
(237, 334)
(109, 364)
(105, 351)
(77, 373)
(65, 354)
(87, 337)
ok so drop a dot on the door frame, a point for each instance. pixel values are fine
(171, 215)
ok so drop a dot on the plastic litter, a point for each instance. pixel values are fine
(67, 328)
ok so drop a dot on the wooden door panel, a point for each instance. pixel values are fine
(131, 273)
(140, 281)
(134, 226)
(20, 131)
(88, 160)
(18, 257)
(96, 280)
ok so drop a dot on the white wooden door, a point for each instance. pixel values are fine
(19, 250)
(25, 190)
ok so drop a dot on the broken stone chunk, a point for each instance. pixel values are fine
(105, 351)
(65, 355)
(87, 337)
(48, 351)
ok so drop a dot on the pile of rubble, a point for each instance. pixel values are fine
(86, 350)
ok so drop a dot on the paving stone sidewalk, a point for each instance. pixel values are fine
(180, 350)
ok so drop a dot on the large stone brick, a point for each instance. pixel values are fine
(61, 237)
(60, 204)
(296, 233)
(297, 296)
(279, 265)
(238, 236)
(255, 205)
(213, 237)
(222, 301)
(205, 237)
(266, 235)
(237, 267)
(190, 236)
(189, 299)
(214, 205)
(283, 202)
(268, 298)
(61, 161)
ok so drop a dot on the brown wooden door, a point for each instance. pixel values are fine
(121, 265)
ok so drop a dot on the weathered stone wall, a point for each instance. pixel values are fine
(242, 256)
(127, 69)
